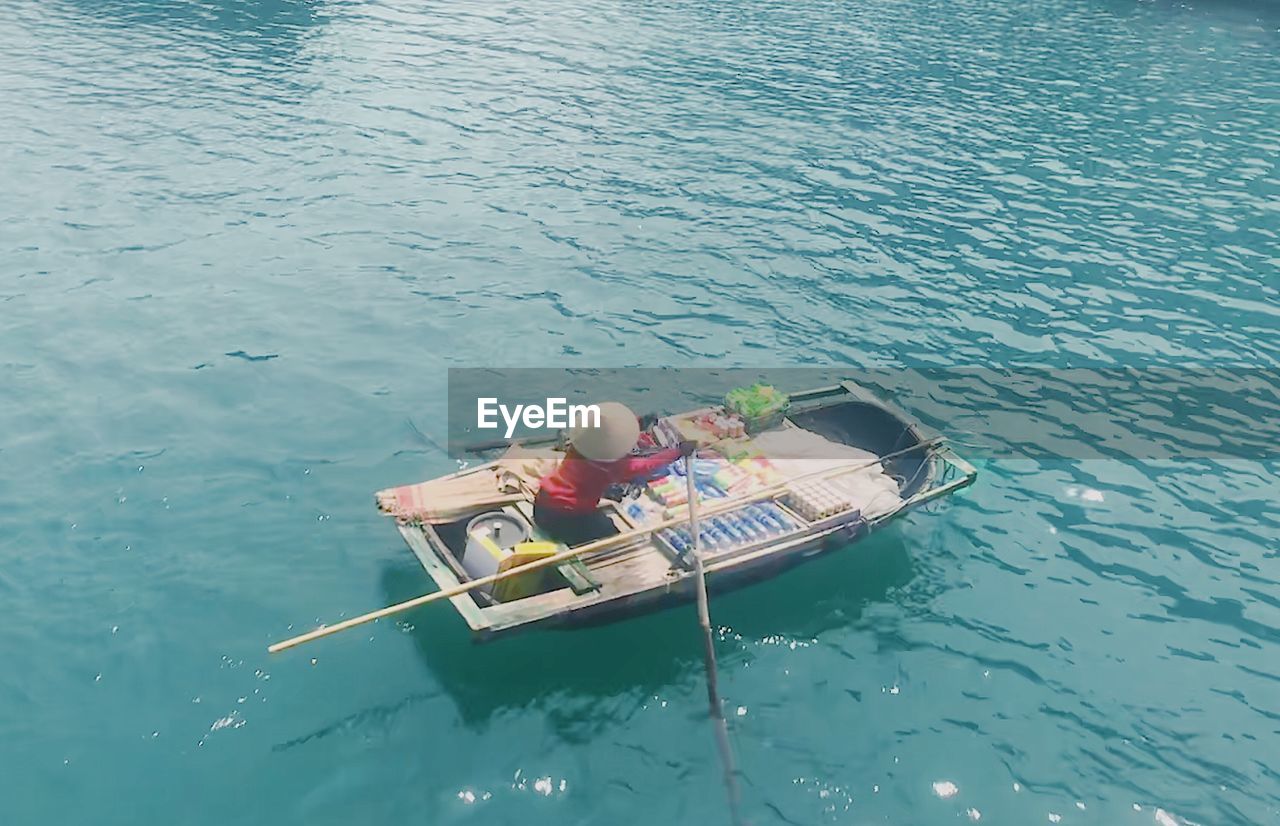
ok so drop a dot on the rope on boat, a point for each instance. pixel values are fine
(709, 657)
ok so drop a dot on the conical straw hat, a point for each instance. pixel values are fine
(614, 438)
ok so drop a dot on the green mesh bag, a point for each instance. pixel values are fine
(761, 406)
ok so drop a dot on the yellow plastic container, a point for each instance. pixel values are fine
(518, 587)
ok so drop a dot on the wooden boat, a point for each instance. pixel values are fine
(642, 573)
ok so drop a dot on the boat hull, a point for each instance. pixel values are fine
(642, 580)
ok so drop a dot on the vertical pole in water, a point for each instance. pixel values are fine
(709, 652)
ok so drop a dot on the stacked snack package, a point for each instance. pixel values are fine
(671, 488)
(721, 425)
(761, 468)
(666, 434)
(733, 479)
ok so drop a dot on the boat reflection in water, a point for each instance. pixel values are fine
(589, 677)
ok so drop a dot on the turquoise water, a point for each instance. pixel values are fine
(240, 242)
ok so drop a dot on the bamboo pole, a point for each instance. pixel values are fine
(709, 653)
(723, 505)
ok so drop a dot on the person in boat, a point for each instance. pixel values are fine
(568, 500)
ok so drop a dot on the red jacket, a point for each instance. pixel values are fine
(577, 484)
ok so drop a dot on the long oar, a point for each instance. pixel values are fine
(709, 653)
(726, 504)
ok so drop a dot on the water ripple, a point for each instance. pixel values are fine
(325, 202)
